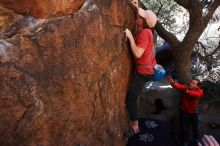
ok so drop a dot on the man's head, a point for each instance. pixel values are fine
(194, 84)
(149, 17)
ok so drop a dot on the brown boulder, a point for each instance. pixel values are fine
(63, 81)
(43, 8)
(163, 91)
(7, 17)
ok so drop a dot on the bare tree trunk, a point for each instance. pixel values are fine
(182, 50)
(183, 69)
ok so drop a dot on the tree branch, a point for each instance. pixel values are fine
(205, 50)
(163, 33)
(213, 52)
(195, 9)
(183, 3)
(166, 35)
(211, 9)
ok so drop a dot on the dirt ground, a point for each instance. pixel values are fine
(210, 113)
(209, 110)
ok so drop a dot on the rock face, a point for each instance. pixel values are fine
(63, 81)
(170, 99)
(42, 8)
(7, 17)
(159, 90)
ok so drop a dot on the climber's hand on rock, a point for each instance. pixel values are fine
(135, 3)
(128, 33)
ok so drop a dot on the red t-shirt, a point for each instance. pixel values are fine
(144, 39)
(190, 100)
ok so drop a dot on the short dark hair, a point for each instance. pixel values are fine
(198, 81)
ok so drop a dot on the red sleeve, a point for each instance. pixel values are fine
(195, 93)
(143, 39)
(179, 86)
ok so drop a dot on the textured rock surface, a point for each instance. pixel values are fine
(43, 8)
(7, 17)
(159, 90)
(63, 81)
(171, 100)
